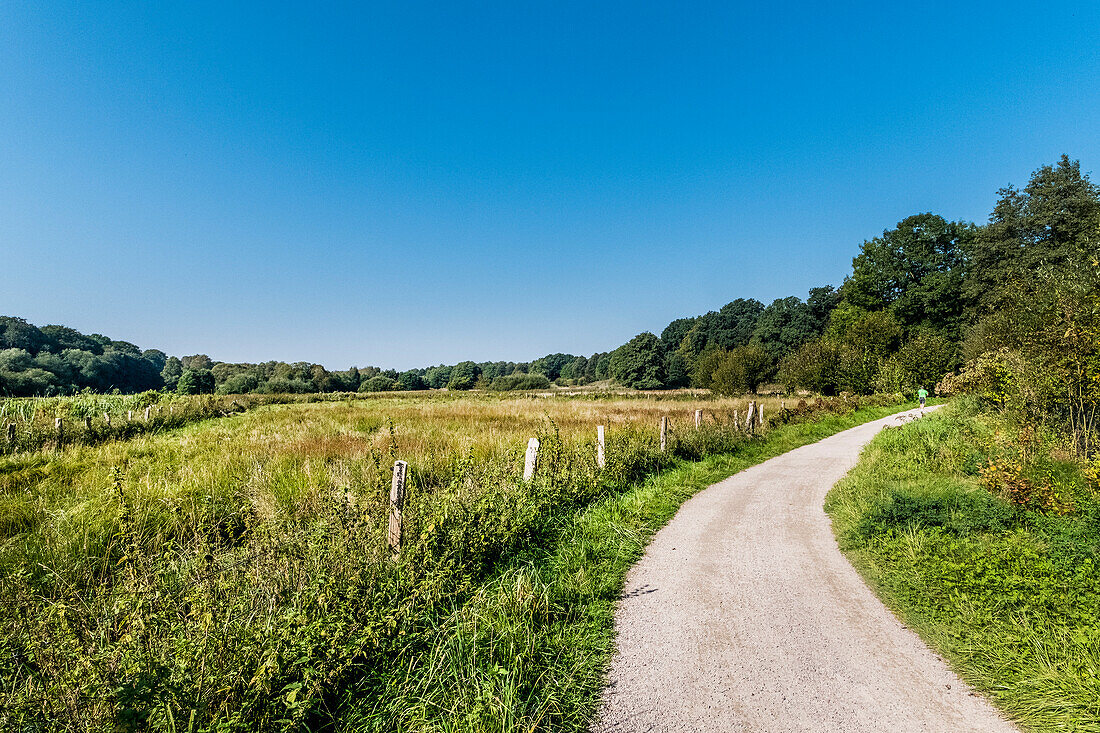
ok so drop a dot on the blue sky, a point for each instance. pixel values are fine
(405, 184)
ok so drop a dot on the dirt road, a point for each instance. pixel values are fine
(744, 616)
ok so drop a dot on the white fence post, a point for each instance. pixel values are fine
(601, 457)
(531, 459)
(397, 505)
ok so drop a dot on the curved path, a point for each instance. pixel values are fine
(744, 616)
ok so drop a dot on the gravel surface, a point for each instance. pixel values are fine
(744, 616)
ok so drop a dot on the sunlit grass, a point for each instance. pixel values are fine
(234, 572)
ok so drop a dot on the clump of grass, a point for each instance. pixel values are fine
(1007, 590)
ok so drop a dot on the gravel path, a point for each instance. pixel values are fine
(744, 616)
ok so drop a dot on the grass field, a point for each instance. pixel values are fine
(1000, 577)
(232, 574)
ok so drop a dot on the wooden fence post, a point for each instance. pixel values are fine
(397, 505)
(698, 419)
(129, 416)
(750, 417)
(107, 419)
(60, 431)
(147, 413)
(88, 424)
(601, 458)
(736, 419)
(664, 433)
(11, 435)
(531, 459)
(760, 416)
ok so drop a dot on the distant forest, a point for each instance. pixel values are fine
(922, 300)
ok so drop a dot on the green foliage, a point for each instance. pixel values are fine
(1051, 223)
(410, 380)
(814, 366)
(519, 381)
(741, 370)
(1005, 590)
(639, 363)
(464, 376)
(923, 360)
(784, 325)
(915, 271)
(195, 381)
(551, 365)
(377, 384)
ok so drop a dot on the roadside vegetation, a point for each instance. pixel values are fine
(233, 574)
(986, 540)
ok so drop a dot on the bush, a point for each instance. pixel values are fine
(377, 384)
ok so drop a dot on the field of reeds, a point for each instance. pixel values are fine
(233, 574)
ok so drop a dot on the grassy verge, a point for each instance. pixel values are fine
(988, 547)
(528, 650)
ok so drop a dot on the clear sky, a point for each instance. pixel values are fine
(410, 183)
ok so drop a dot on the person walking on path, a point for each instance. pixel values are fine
(922, 395)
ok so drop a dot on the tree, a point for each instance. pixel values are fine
(437, 377)
(551, 365)
(603, 367)
(409, 381)
(377, 384)
(464, 375)
(196, 381)
(171, 373)
(741, 370)
(727, 328)
(814, 366)
(916, 271)
(784, 325)
(1052, 222)
(922, 361)
(242, 383)
(15, 333)
(63, 337)
(197, 361)
(639, 363)
(674, 333)
(676, 370)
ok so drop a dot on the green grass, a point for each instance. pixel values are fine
(529, 649)
(233, 575)
(1006, 589)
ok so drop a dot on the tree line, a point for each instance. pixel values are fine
(924, 299)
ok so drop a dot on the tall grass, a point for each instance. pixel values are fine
(233, 575)
(1001, 584)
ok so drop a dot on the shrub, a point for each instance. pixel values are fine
(377, 384)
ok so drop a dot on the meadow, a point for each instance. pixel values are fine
(232, 573)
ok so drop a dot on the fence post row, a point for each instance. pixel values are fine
(601, 458)
(397, 505)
